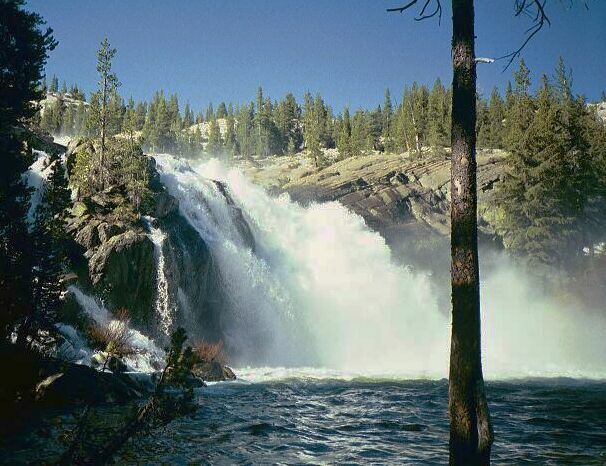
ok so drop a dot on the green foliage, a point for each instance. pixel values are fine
(24, 52)
(549, 188)
(215, 142)
(49, 247)
(126, 166)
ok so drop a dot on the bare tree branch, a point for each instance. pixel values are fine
(423, 13)
(534, 9)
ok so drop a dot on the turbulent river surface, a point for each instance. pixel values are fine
(312, 416)
(300, 418)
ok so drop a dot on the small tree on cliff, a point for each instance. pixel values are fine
(100, 113)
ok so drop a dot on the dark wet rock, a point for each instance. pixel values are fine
(165, 204)
(213, 372)
(122, 269)
(73, 384)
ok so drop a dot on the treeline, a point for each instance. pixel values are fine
(265, 127)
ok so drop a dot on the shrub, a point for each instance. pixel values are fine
(209, 352)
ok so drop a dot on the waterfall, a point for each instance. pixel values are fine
(35, 177)
(163, 305)
(320, 288)
(147, 356)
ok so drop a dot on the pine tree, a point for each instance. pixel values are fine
(312, 129)
(49, 247)
(129, 121)
(542, 196)
(387, 122)
(288, 116)
(221, 110)
(214, 145)
(482, 123)
(245, 130)
(210, 113)
(438, 116)
(361, 133)
(108, 82)
(520, 111)
(188, 116)
(54, 85)
(231, 142)
(344, 140)
(496, 117)
(64, 88)
(141, 113)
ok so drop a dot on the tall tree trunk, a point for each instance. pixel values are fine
(470, 429)
(103, 126)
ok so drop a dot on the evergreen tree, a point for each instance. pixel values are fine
(141, 113)
(542, 196)
(54, 85)
(231, 142)
(438, 116)
(496, 117)
(520, 111)
(129, 121)
(387, 123)
(222, 110)
(210, 113)
(24, 52)
(482, 123)
(344, 140)
(188, 116)
(312, 128)
(245, 130)
(49, 247)
(361, 141)
(64, 88)
(214, 145)
(288, 116)
(102, 116)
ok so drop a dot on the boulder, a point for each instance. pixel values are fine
(73, 384)
(213, 372)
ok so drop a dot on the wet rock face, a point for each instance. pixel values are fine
(122, 270)
(193, 278)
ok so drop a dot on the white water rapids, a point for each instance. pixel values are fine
(321, 289)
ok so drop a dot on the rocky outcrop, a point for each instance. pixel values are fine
(394, 193)
(120, 262)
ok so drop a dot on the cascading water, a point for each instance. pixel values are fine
(321, 289)
(163, 306)
(147, 357)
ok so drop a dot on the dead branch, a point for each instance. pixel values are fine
(423, 14)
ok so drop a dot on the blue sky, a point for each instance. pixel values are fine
(348, 50)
